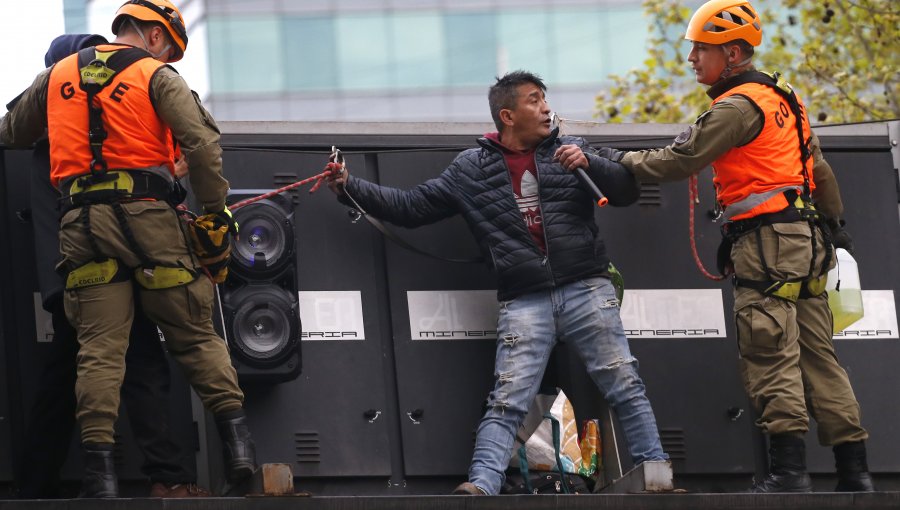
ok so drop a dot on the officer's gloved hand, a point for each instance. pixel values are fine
(840, 238)
(227, 219)
(610, 153)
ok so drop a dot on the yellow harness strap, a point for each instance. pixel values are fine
(95, 273)
(792, 291)
(162, 277)
(115, 181)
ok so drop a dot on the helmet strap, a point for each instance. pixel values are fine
(731, 67)
(147, 46)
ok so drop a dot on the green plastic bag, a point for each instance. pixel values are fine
(617, 281)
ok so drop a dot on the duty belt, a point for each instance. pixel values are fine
(113, 186)
(735, 229)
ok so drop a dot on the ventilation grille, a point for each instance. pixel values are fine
(306, 446)
(650, 194)
(282, 180)
(673, 443)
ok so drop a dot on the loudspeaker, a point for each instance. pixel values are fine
(260, 296)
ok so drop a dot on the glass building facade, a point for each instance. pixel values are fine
(410, 60)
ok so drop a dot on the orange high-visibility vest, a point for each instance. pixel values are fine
(137, 137)
(750, 180)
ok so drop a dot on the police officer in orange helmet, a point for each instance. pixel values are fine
(112, 160)
(783, 211)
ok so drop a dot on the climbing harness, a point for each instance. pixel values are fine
(102, 186)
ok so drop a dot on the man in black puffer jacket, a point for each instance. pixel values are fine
(534, 222)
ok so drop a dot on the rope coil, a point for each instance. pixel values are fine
(694, 197)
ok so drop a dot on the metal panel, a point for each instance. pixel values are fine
(425, 395)
(20, 345)
(8, 379)
(869, 191)
(441, 383)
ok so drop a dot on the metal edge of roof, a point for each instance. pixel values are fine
(849, 136)
(432, 128)
(873, 135)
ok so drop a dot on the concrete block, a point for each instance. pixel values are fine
(650, 476)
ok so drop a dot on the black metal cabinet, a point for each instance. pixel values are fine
(334, 420)
(442, 383)
(399, 404)
(869, 191)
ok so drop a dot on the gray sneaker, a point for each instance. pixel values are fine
(468, 489)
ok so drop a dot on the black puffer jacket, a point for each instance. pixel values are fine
(477, 186)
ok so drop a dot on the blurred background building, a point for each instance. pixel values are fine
(392, 60)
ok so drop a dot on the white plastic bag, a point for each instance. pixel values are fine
(540, 451)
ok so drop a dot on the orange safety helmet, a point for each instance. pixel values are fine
(722, 21)
(161, 11)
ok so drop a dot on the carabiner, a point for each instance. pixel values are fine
(336, 156)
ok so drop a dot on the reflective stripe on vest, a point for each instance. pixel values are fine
(137, 137)
(750, 179)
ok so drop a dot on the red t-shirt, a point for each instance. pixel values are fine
(523, 175)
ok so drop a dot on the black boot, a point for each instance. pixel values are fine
(238, 450)
(852, 468)
(787, 458)
(99, 472)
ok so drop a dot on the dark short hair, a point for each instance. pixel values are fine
(125, 26)
(746, 48)
(503, 94)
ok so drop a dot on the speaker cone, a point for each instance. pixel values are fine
(266, 239)
(264, 326)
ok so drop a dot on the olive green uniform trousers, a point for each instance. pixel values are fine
(102, 314)
(788, 364)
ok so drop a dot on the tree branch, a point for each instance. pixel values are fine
(872, 10)
(865, 45)
(840, 89)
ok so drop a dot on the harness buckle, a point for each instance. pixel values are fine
(97, 135)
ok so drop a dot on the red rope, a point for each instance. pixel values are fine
(319, 178)
(695, 198)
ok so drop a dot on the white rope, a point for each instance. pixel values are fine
(560, 122)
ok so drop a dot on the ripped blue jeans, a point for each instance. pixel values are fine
(585, 315)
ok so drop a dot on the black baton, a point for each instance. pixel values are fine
(589, 184)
